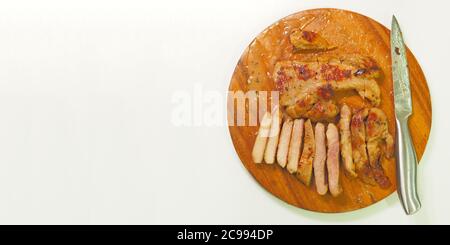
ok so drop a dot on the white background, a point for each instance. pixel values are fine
(85, 112)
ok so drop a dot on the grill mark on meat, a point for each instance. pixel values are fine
(334, 73)
(303, 72)
(282, 78)
(325, 92)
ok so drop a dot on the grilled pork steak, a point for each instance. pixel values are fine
(307, 87)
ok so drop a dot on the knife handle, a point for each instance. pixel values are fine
(406, 168)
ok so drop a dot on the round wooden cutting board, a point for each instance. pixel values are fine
(351, 33)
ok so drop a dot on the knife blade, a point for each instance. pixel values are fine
(406, 158)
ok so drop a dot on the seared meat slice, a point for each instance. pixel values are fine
(261, 139)
(358, 130)
(272, 143)
(295, 146)
(346, 144)
(308, 41)
(283, 145)
(305, 165)
(319, 160)
(333, 160)
(378, 138)
(303, 84)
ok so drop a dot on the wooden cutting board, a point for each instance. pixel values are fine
(351, 33)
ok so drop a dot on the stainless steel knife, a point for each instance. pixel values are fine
(405, 154)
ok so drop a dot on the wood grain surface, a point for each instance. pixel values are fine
(351, 33)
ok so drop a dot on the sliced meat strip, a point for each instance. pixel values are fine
(272, 144)
(333, 160)
(376, 130)
(261, 139)
(283, 145)
(358, 131)
(294, 146)
(305, 165)
(359, 147)
(378, 138)
(320, 174)
(346, 142)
